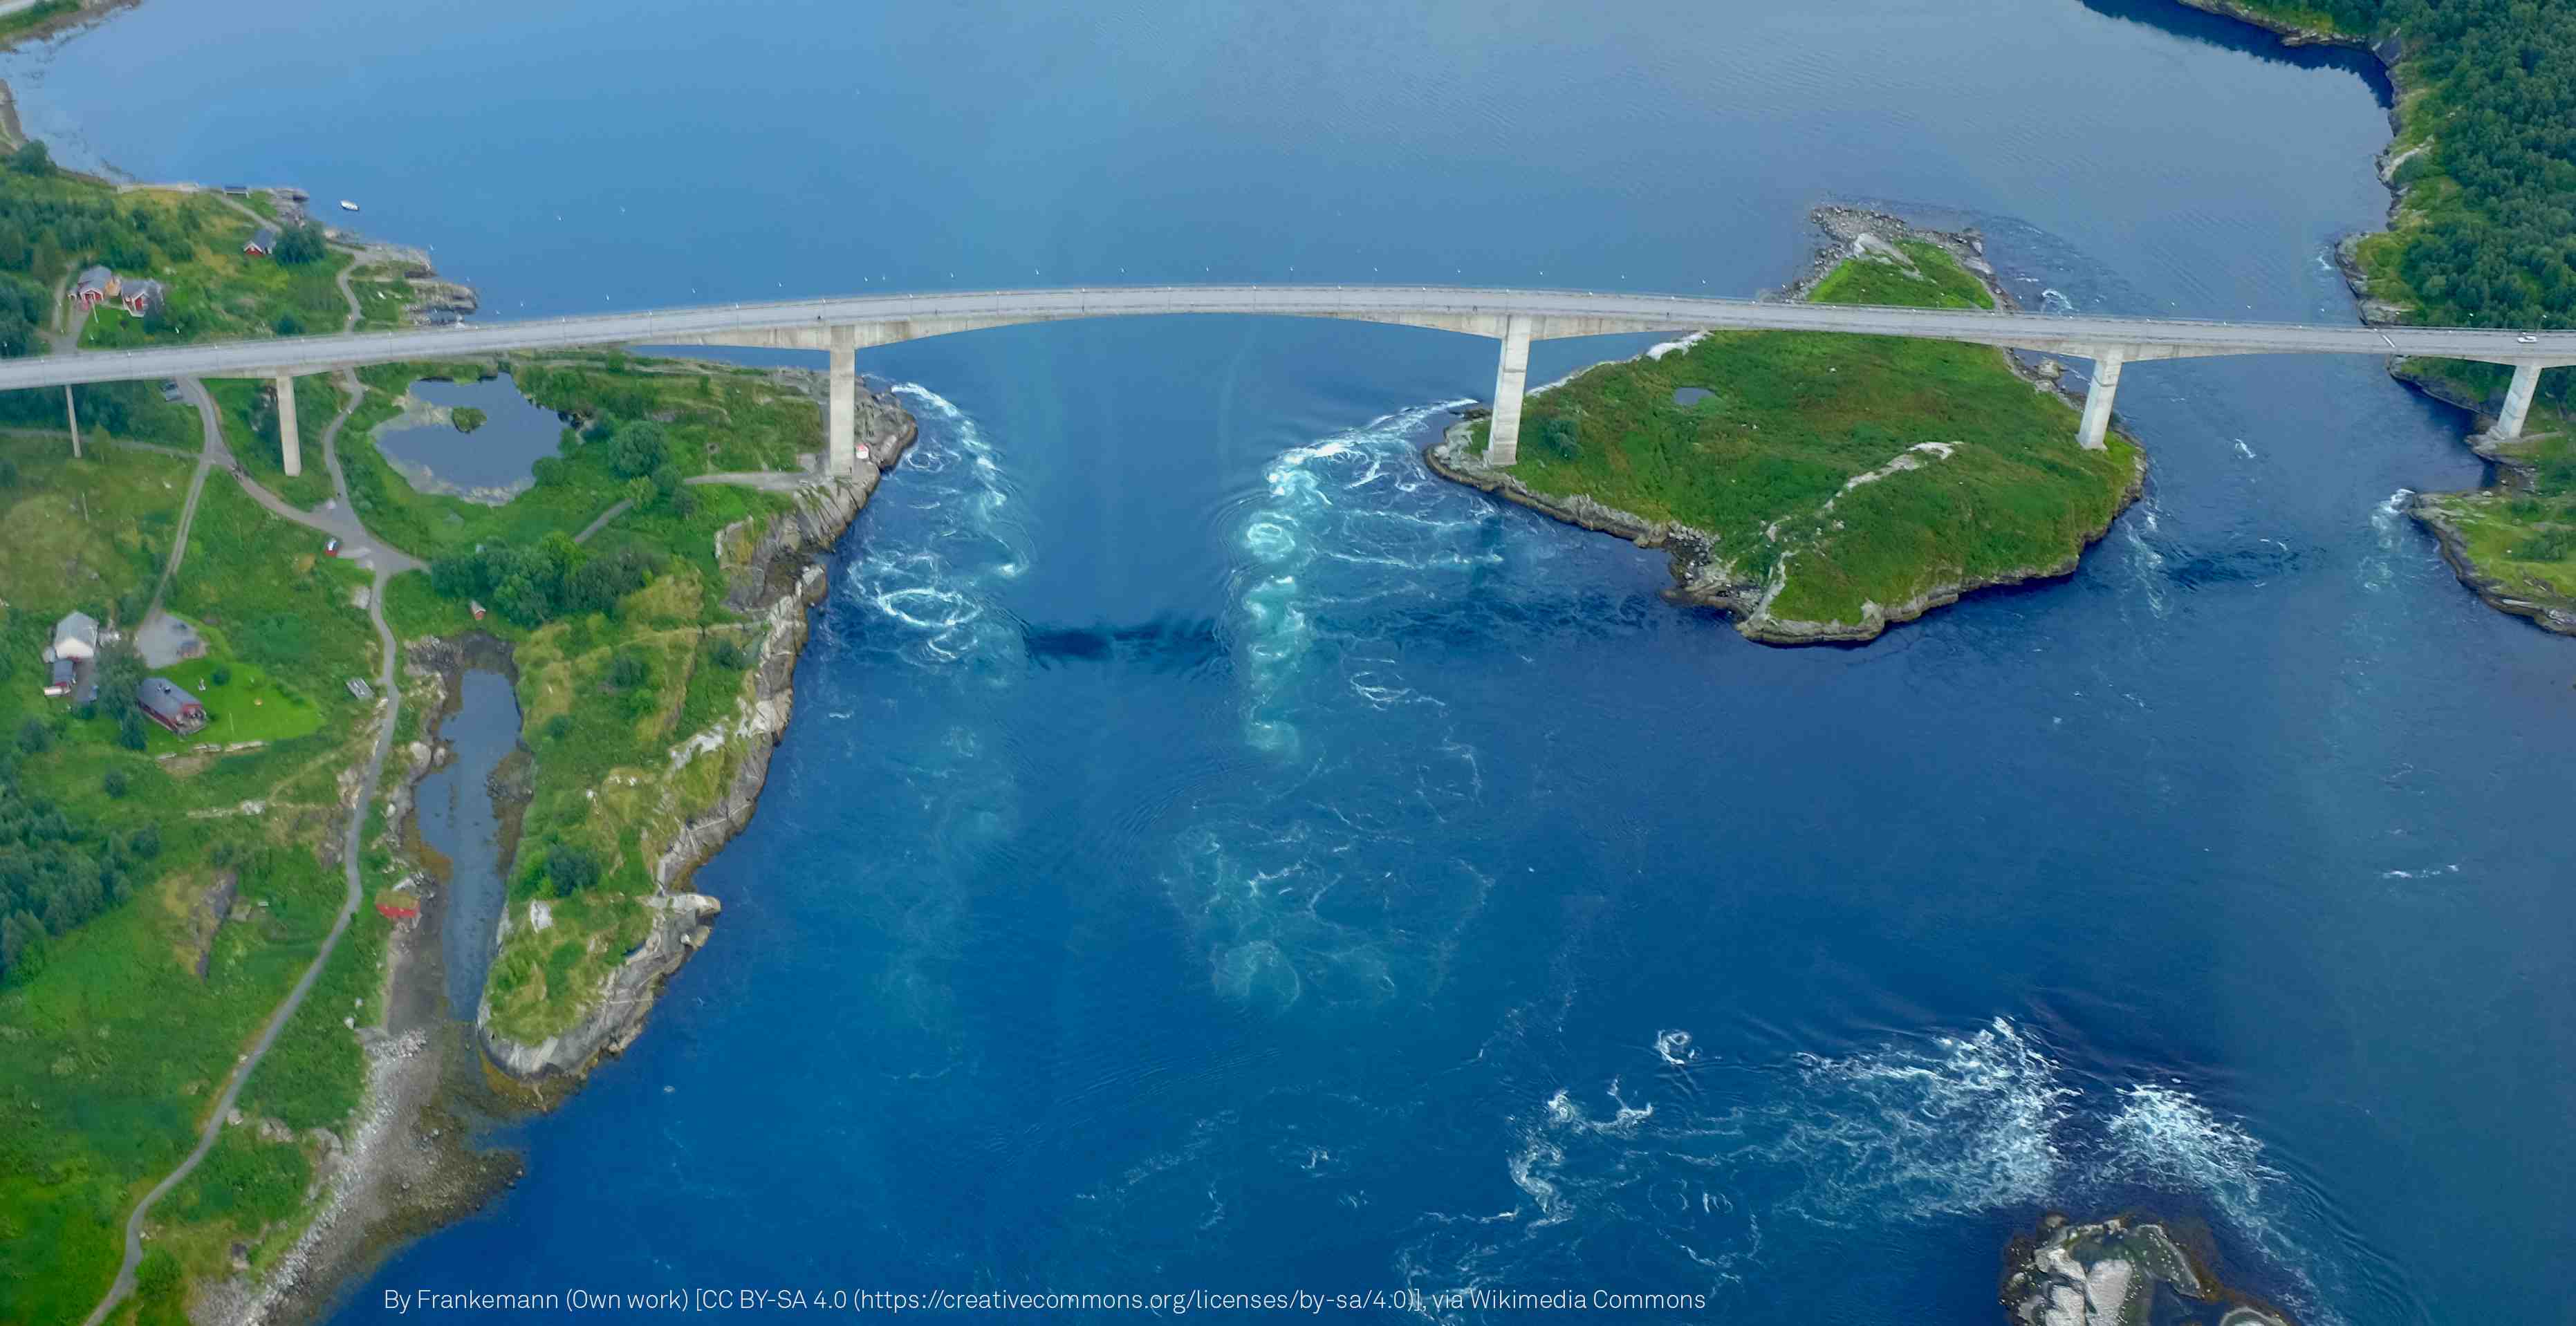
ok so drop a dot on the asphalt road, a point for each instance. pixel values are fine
(1575, 312)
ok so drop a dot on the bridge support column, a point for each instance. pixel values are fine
(840, 438)
(1503, 435)
(287, 439)
(72, 413)
(2097, 398)
(2517, 401)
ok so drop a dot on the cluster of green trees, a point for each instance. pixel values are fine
(638, 452)
(2501, 76)
(54, 872)
(557, 578)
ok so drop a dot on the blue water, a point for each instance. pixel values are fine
(1212, 853)
(501, 453)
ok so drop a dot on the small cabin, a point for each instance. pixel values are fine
(93, 286)
(262, 242)
(140, 297)
(166, 704)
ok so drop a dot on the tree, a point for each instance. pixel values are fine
(32, 158)
(638, 448)
(115, 783)
(301, 243)
(289, 325)
(570, 869)
(467, 418)
(34, 737)
(666, 480)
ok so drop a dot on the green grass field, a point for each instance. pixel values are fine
(1795, 460)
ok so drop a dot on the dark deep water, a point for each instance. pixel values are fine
(1211, 853)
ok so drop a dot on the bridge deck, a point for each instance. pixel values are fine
(1557, 312)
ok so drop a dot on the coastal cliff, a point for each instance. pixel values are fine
(776, 579)
(1744, 566)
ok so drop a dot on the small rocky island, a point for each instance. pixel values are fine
(1819, 486)
(2118, 1272)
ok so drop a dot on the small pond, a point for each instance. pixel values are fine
(1691, 395)
(496, 459)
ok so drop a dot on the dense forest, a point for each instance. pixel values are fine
(2497, 246)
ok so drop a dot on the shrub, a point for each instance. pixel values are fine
(301, 244)
(627, 669)
(558, 727)
(638, 449)
(222, 675)
(467, 418)
(288, 324)
(2555, 545)
(34, 737)
(115, 783)
(727, 653)
(144, 843)
(570, 869)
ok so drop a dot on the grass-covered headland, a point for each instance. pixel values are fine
(1823, 486)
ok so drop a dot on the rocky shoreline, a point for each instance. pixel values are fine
(780, 581)
(1701, 578)
(2124, 1271)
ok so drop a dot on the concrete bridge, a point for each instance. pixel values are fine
(840, 327)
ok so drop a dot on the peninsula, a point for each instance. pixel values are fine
(1823, 487)
(224, 674)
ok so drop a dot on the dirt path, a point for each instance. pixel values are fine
(388, 563)
(213, 450)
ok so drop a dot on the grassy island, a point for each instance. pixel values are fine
(1822, 486)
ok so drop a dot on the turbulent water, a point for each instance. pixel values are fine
(1211, 852)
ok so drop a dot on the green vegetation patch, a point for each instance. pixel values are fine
(1837, 474)
(2490, 88)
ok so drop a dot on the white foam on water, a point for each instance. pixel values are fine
(2387, 522)
(2146, 562)
(1958, 1125)
(2244, 450)
(2054, 301)
(934, 583)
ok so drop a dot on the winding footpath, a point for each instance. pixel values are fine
(341, 520)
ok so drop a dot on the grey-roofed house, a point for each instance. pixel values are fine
(93, 285)
(263, 242)
(76, 636)
(140, 297)
(166, 704)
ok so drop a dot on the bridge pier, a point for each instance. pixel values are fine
(2517, 401)
(840, 439)
(1503, 435)
(2097, 398)
(287, 440)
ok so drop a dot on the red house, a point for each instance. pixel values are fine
(166, 704)
(262, 242)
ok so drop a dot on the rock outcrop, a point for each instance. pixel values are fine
(2118, 1272)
